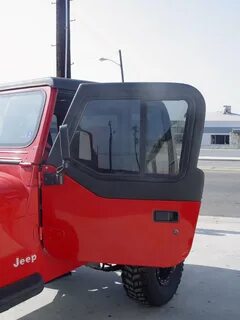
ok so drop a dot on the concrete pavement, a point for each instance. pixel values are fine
(220, 165)
(210, 287)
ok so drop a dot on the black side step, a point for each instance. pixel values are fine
(19, 291)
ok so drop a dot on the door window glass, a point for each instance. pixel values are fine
(110, 129)
(165, 126)
(131, 136)
(53, 129)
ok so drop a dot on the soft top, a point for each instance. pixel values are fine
(59, 83)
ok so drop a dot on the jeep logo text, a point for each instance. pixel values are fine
(22, 261)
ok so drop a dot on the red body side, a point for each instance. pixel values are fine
(80, 226)
(20, 232)
(19, 227)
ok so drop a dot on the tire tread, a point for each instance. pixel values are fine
(136, 284)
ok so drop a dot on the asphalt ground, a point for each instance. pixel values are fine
(221, 195)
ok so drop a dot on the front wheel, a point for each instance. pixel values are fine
(152, 286)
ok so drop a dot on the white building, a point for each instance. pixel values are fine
(222, 129)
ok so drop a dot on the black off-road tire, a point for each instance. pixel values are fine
(151, 286)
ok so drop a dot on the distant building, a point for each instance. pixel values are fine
(222, 129)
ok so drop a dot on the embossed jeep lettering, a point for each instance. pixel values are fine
(22, 261)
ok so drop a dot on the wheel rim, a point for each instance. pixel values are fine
(164, 275)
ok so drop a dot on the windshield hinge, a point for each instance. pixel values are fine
(25, 164)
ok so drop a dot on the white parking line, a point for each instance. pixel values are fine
(219, 169)
(219, 158)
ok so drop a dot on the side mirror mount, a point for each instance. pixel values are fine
(64, 145)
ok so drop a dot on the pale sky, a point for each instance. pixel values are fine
(190, 41)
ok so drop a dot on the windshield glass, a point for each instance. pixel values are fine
(20, 115)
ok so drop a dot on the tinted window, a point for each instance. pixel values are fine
(220, 139)
(131, 136)
(165, 126)
(20, 115)
(113, 130)
(53, 129)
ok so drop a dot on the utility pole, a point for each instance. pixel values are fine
(63, 50)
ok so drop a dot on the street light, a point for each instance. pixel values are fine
(120, 64)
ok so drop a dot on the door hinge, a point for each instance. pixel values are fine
(41, 233)
(50, 179)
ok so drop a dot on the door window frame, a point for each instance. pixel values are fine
(143, 92)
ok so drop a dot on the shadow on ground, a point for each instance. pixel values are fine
(205, 293)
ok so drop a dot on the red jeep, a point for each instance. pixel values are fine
(103, 175)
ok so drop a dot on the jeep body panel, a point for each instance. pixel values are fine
(48, 229)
